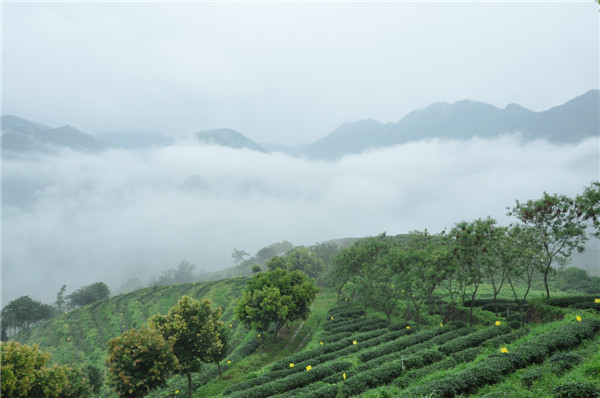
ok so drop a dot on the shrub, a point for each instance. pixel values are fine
(565, 302)
(563, 361)
(577, 390)
(411, 376)
(473, 340)
(293, 381)
(467, 355)
(326, 349)
(403, 343)
(336, 337)
(531, 376)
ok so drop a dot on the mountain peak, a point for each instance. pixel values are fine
(229, 138)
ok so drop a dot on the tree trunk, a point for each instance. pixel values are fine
(189, 377)
(546, 281)
(219, 366)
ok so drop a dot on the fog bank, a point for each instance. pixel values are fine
(80, 218)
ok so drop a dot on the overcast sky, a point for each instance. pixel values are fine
(286, 73)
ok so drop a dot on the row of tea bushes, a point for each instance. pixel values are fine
(496, 366)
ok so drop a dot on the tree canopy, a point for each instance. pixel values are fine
(195, 330)
(25, 373)
(22, 313)
(139, 361)
(274, 298)
(88, 295)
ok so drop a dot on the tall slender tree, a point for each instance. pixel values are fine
(558, 225)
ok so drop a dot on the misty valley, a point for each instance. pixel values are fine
(452, 253)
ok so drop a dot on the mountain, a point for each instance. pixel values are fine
(229, 138)
(20, 135)
(136, 140)
(570, 122)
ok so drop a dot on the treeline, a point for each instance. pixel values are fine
(382, 272)
(22, 313)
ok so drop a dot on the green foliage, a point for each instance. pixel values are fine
(577, 390)
(22, 313)
(559, 228)
(563, 361)
(589, 205)
(138, 361)
(25, 374)
(275, 297)
(88, 295)
(195, 330)
(577, 280)
(60, 299)
(294, 380)
(256, 268)
(473, 340)
(184, 273)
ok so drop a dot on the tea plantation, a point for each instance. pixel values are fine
(336, 352)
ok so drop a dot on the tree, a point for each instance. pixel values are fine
(499, 262)
(182, 274)
(256, 268)
(22, 313)
(60, 299)
(25, 374)
(524, 257)
(88, 295)
(298, 259)
(195, 329)
(238, 256)
(589, 206)
(558, 223)
(425, 262)
(276, 262)
(274, 298)
(355, 265)
(305, 260)
(472, 243)
(140, 360)
(221, 353)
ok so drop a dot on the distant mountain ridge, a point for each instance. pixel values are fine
(229, 138)
(20, 135)
(575, 120)
(570, 122)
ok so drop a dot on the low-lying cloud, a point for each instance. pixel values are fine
(80, 218)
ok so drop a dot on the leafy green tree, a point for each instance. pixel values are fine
(239, 255)
(499, 261)
(140, 360)
(25, 373)
(195, 329)
(221, 353)
(182, 274)
(355, 266)
(558, 223)
(426, 260)
(22, 313)
(304, 260)
(276, 262)
(95, 377)
(274, 298)
(472, 243)
(589, 206)
(77, 384)
(577, 280)
(264, 254)
(524, 257)
(88, 295)
(60, 299)
(256, 268)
